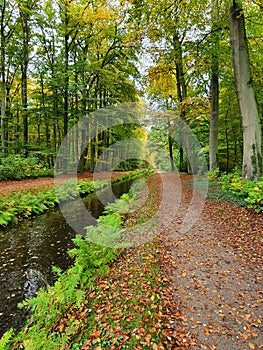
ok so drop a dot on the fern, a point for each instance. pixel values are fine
(5, 340)
(52, 305)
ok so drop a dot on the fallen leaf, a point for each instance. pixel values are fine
(207, 331)
(148, 339)
(244, 336)
(254, 334)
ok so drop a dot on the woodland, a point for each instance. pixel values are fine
(198, 62)
(62, 60)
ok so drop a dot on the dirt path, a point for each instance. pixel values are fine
(216, 269)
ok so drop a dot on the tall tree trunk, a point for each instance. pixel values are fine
(214, 91)
(170, 143)
(181, 90)
(3, 88)
(65, 13)
(252, 164)
(66, 85)
(3, 111)
(227, 142)
(24, 15)
(25, 106)
(213, 130)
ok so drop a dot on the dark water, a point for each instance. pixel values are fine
(29, 249)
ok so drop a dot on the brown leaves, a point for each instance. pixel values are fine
(139, 305)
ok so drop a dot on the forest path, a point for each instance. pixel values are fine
(216, 273)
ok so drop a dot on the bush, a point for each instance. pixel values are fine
(250, 192)
(16, 167)
(213, 174)
(255, 196)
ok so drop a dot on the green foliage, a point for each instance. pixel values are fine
(213, 174)
(108, 231)
(16, 167)
(73, 188)
(246, 193)
(68, 292)
(255, 196)
(19, 205)
(5, 339)
(91, 260)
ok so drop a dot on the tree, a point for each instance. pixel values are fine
(214, 86)
(252, 164)
(26, 8)
(7, 29)
(3, 75)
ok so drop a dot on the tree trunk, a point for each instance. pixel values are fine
(246, 96)
(213, 130)
(170, 143)
(66, 85)
(24, 15)
(181, 92)
(3, 83)
(214, 90)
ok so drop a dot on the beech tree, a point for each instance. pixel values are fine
(71, 57)
(214, 86)
(252, 152)
(8, 23)
(25, 12)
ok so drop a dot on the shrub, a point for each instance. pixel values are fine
(250, 192)
(255, 196)
(213, 174)
(16, 167)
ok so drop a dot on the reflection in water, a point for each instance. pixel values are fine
(34, 281)
(29, 249)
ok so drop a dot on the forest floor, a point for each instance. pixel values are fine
(212, 287)
(216, 270)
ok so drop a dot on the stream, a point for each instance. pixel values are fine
(30, 248)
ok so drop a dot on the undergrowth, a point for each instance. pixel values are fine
(232, 188)
(53, 308)
(23, 204)
(17, 167)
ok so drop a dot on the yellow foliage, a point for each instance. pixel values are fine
(162, 80)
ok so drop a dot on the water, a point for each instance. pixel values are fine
(29, 249)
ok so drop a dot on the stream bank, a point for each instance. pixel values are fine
(29, 250)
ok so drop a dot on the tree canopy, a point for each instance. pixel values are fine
(64, 59)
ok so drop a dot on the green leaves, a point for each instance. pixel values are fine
(55, 320)
(16, 167)
(245, 193)
(4, 341)
(21, 205)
